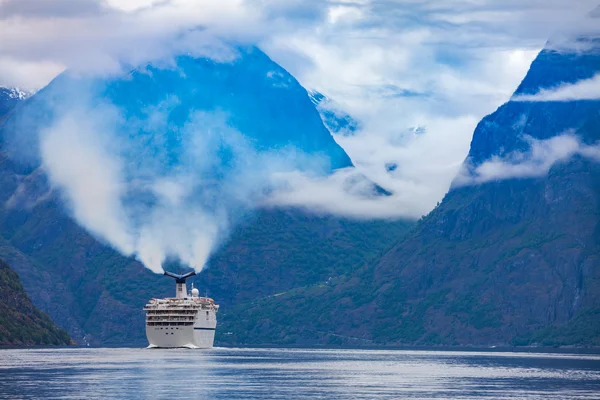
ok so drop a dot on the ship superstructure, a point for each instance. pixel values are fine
(186, 320)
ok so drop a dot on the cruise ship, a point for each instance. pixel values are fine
(186, 320)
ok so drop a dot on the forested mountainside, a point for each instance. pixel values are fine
(503, 262)
(21, 323)
(97, 294)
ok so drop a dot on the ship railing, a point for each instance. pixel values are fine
(179, 310)
(167, 307)
(182, 306)
(175, 314)
(170, 319)
(160, 323)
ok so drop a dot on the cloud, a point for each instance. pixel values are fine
(99, 37)
(109, 39)
(29, 75)
(587, 89)
(54, 8)
(535, 162)
(346, 192)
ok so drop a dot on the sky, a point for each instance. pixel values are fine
(417, 75)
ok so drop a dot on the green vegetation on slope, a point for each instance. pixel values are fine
(21, 323)
(582, 330)
(513, 262)
(279, 250)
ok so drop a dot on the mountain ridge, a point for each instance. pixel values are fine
(254, 95)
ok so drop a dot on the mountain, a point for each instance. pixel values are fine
(21, 323)
(157, 102)
(97, 294)
(504, 262)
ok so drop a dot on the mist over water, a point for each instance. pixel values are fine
(295, 374)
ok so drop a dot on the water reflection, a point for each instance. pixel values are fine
(295, 373)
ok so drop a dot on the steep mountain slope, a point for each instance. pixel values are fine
(21, 323)
(95, 293)
(504, 262)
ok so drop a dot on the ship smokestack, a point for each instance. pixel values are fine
(181, 290)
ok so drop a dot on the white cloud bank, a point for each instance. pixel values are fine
(586, 89)
(536, 162)
(347, 192)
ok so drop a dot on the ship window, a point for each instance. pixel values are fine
(207, 315)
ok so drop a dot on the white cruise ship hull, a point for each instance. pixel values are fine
(180, 336)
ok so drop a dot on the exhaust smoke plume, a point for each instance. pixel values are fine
(154, 190)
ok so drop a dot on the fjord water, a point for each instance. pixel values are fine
(295, 373)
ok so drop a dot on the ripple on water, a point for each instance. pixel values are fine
(295, 373)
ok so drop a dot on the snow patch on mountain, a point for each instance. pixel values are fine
(15, 93)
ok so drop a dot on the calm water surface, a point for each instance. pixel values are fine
(295, 374)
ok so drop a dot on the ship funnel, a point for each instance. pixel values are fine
(180, 283)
